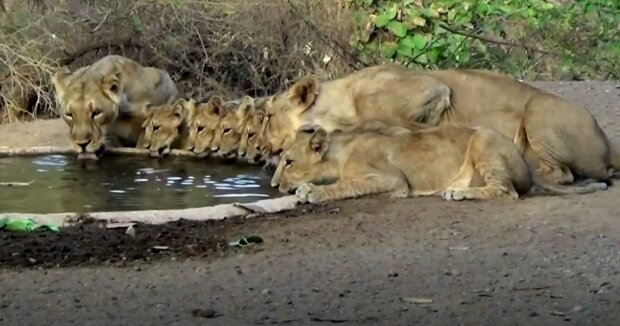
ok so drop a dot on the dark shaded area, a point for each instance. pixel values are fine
(94, 244)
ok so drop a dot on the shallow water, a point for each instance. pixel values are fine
(120, 183)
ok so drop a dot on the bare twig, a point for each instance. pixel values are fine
(15, 184)
(492, 40)
(105, 18)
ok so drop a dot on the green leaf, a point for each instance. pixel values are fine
(404, 50)
(388, 49)
(422, 58)
(433, 55)
(463, 56)
(397, 28)
(547, 6)
(382, 20)
(419, 42)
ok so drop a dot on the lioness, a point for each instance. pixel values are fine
(238, 131)
(105, 101)
(454, 162)
(558, 138)
(204, 121)
(166, 127)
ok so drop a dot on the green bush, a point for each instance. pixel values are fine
(531, 38)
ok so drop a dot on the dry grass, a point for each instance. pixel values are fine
(225, 47)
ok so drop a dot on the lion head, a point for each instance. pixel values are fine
(204, 122)
(89, 105)
(228, 132)
(251, 137)
(301, 161)
(164, 125)
(284, 113)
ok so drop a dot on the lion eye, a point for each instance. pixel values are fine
(155, 128)
(69, 115)
(289, 162)
(227, 130)
(201, 128)
(252, 134)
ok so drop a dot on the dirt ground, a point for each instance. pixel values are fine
(538, 261)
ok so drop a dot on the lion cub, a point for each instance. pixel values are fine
(103, 103)
(454, 162)
(238, 132)
(166, 127)
(204, 121)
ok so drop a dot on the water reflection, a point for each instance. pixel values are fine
(126, 183)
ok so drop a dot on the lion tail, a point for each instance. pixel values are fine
(555, 189)
(614, 159)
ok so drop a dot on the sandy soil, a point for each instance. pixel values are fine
(540, 261)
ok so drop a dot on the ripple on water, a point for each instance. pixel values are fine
(126, 183)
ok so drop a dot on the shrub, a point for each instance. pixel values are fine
(529, 38)
(228, 47)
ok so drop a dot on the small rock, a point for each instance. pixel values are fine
(393, 274)
(316, 290)
(265, 292)
(131, 231)
(204, 313)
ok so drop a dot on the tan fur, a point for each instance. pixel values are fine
(105, 102)
(238, 131)
(558, 138)
(166, 127)
(204, 122)
(457, 163)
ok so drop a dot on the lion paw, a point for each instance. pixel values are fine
(453, 194)
(303, 191)
(600, 186)
(400, 193)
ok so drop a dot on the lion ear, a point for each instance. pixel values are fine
(246, 106)
(215, 105)
(305, 91)
(60, 80)
(111, 86)
(319, 141)
(179, 110)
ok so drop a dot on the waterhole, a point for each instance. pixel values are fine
(121, 183)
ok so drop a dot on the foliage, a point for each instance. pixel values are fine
(514, 36)
(229, 48)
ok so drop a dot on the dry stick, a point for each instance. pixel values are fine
(48, 150)
(15, 184)
(493, 41)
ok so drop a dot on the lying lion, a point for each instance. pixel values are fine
(166, 127)
(457, 163)
(558, 138)
(238, 131)
(104, 102)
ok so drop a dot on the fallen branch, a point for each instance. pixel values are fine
(493, 41)
(49, 150)
(15, 184)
